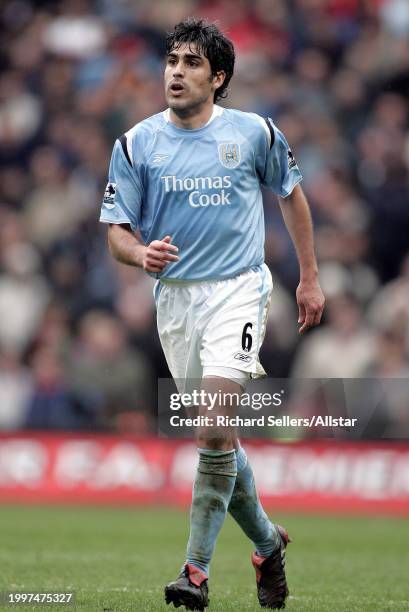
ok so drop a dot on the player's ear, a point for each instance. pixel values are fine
(218, 79)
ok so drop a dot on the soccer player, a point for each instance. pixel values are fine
(189, 179)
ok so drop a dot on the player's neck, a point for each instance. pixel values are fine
(192, 120)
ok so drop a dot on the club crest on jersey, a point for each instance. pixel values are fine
(229, 154)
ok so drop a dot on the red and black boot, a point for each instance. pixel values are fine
(189, 590)
(272, 587)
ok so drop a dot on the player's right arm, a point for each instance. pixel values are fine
(121, 209)
(126, 248)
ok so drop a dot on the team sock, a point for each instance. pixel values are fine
(212, 490)
(246, 509)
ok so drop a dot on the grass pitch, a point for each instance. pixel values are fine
(118, 560)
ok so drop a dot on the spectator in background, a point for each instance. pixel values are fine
(53, 331)
(101, 362)
(391, 357)
(281, 337)
(383, 174)
(135, 287)
(24, 293)
(16, 387)
(52, 405)
(55, 206)
(390, 308)
(342, 349)
(384, 408)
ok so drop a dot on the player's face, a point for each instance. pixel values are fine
(189, 82)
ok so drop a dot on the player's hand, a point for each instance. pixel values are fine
(310, 300)
(158, 254)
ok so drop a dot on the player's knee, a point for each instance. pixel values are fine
(215, 441)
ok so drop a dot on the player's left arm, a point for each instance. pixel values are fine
(297, 217)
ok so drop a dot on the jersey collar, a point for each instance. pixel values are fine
(217, 112)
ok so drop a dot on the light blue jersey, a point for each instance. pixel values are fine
(202, 187)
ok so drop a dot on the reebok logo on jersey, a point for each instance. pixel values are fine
(159, 158)
(195, 186)
(109, 195)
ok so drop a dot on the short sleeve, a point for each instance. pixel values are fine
(278, 168)
(123, 194)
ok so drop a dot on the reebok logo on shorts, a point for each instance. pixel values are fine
(243, 357)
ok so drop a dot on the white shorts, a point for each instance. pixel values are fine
(205, 326)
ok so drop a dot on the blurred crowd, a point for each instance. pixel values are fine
(78, 342)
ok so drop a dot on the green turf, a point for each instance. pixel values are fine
(119, 560)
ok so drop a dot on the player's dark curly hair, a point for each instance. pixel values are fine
(209, 41)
